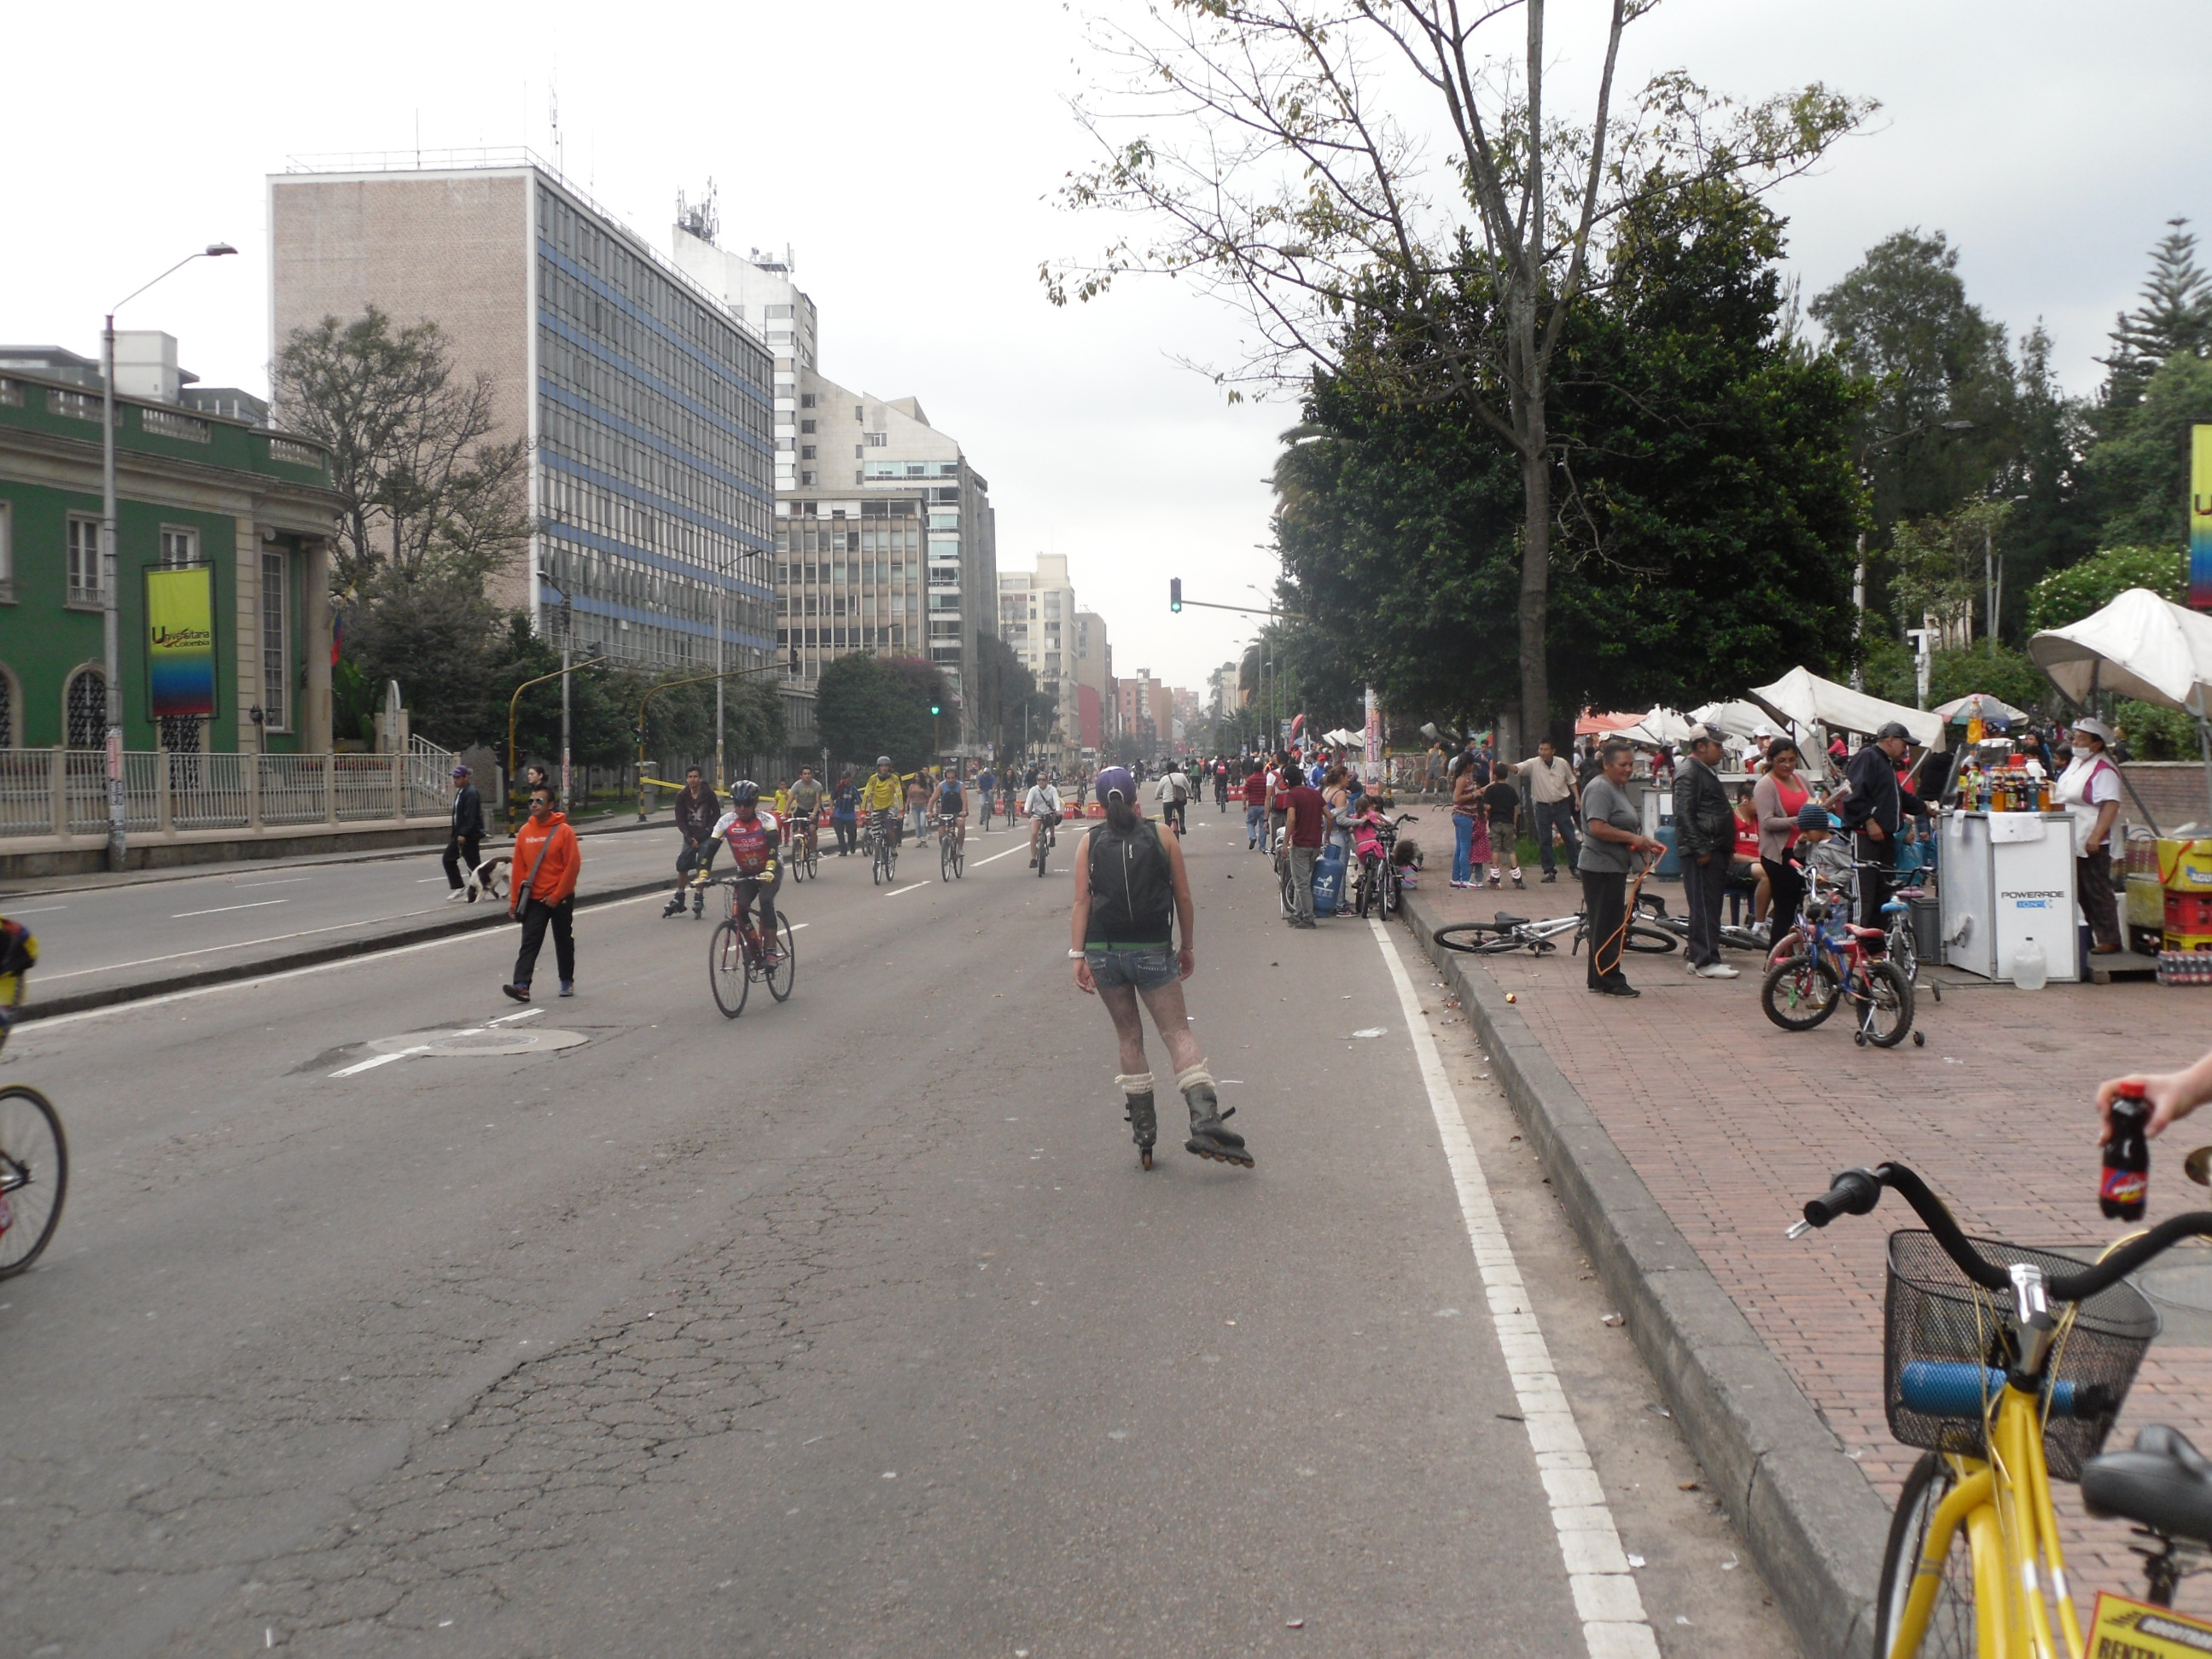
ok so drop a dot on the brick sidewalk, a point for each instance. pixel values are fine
(1733, 1123)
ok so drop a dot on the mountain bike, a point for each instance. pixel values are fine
(1825, 964)
(882, 867)
(1045, 842)
(1504, 933)
(1378, 876)
(804, 856)
(736, 955)
(2007, 1366)
(34, 1151)
(951, 859)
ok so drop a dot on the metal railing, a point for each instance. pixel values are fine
(63, 792)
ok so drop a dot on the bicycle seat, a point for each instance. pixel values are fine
(2164, 1483)
(1504, 920)
(1858, 932)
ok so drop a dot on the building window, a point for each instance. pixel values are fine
(84, 561)
(806, 478)
(276, 682)
(180, 549)
(806, 400)
(775, 311)
(807, 425)
(807, 452)
(878, 439)
(87, 709)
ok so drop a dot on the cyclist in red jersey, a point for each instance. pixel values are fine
(751, 836)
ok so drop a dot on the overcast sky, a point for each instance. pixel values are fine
(907, 150)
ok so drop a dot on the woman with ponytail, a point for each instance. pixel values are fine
(1130, 938)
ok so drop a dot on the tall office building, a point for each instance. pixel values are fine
(1038, 620)
(1094, 684)
(758, 290)
(647, 406)
(887, 543)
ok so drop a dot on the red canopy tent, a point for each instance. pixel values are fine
(1590, 724)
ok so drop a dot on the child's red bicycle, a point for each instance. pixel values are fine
(1825, 964)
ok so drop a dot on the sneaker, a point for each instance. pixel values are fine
(1715, 970)
(1551, 875)
(1462, 884)
(1623, 989)
(457, 895)
(568, 987)
(519, 992)
(1763, 932)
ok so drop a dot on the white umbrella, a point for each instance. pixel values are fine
(2139, 646)
(1808, 699)
(1979, 705)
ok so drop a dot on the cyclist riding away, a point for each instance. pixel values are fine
(1042, 804)
(751, 835)
(879, 798)
(1174, 796)
(987, 791)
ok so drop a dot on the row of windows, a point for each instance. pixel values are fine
(807, 536)
(840, 605)
(571, 499)
(595, 578)
(870, 571)
(644, 285)
(730, 484)
(615, 388)
(853, 638)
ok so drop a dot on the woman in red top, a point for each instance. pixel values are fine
(1778, 795)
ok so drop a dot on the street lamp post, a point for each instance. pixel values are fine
(567, 635)
(110, 573)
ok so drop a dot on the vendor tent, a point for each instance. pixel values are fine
(1592, 725)
(1737, 720)
(1807, 699)
(1658, 726)
(2139, 646)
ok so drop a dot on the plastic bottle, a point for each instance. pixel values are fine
(2123, 1188)
(2031, 970)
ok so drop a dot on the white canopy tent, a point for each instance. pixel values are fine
(1980, 706)
(2139, 646)
(1738, 719)
(1658, 726)
(1807, 700)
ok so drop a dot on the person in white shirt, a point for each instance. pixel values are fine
(1042, 804)
(2089, 789)
(1174, 796)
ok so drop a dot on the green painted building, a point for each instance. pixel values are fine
(253, 506)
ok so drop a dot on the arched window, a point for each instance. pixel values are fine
(88, 709)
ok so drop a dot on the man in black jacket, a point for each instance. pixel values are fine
(696, 809)
(1705, 839)
(464, 836)
(1874, 809)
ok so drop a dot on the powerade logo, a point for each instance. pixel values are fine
(2032, 899)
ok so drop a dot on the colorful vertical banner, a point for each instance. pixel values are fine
(181, 642)
(2200, 517)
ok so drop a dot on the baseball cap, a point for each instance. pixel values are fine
(2095, 727)
(460, 771)
(1892, 729)
(1116, 780)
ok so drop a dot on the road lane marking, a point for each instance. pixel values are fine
(509, 1020)
(382, 1059)
(44, 910)
(244, 944)
(288, 881)
(995, 857)
(218, 909)
(896, 891)
(1605, 1598)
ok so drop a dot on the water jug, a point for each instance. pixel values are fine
(2029, 968)
(1328, 880)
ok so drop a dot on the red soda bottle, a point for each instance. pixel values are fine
(2123, 1190)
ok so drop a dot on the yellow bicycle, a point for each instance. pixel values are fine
(2007, 1366)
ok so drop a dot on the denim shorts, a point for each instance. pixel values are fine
(1141, 970)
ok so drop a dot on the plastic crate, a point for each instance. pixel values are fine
(2189, 913)
(1936, 1318)
(2188, 944)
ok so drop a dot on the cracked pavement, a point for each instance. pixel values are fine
(848, 1327)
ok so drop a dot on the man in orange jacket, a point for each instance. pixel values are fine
(547, 862)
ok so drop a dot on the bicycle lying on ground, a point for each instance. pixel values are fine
(736, 956)
(1651, 910)
(34, 1151)
(2006, 1367)
(1504, 933)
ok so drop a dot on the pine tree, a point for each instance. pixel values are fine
(2175, 317)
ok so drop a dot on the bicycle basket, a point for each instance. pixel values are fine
(1941, 1353)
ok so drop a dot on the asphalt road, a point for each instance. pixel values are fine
(850, 1327)
(174, 926)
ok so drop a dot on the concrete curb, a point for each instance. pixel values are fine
(108, 996)
(1813, 1523)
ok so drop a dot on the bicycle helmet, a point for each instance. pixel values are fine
(883, 760)
(744, 792)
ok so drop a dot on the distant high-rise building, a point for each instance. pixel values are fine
(1094, 682)
(1038, 620)
(887, 543)
(646, 404)
(758, 289)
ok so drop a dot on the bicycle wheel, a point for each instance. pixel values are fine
(727, 970)
(1479, 938)
(1654, 941)
(1043, 852)
(813, 857)
(1950, 1632)
(1800, 991)
(1889, 1004)
(960, 860)
(785, 972)
(1902, 951)
(34, 1175)
(943, 860)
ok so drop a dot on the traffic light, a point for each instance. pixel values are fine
(1174, 592)
(934, 710)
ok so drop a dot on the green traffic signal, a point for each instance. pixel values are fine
(934, 709)
(1174, 593)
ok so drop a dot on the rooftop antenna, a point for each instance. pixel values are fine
(702, 218)
(553, 106)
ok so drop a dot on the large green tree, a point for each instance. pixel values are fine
(866, 706)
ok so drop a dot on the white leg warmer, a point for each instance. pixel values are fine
(1196, 1075)
(1138, 1083)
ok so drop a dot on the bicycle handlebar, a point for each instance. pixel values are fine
(1855, 1192)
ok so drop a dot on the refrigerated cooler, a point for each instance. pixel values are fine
(2008, 877)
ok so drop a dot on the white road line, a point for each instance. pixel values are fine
(896, 891)
(1606, 1600)
(257, 904)
(382, 1060)
(995, 857)
(288, 881)
(209, 950)
(509, 1020)
(44, 910)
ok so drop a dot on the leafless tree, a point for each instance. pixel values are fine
(1311, 160)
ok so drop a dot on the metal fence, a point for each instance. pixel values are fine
(63, 792)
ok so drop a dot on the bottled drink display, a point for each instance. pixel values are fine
(2123, 1190)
